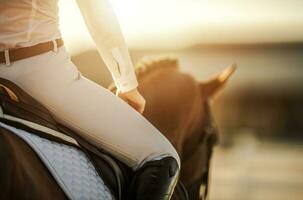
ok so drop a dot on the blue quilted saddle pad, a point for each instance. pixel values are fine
(70, 167)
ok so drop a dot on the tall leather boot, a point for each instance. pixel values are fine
(155, 180)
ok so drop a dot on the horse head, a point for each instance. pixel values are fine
(198, 145)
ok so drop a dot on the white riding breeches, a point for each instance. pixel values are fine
(91, 110)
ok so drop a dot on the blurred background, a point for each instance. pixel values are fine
(259, 112)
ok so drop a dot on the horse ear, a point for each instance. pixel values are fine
(210, 87)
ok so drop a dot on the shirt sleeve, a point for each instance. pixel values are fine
(104, 28)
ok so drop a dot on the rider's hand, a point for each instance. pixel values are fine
(133, 98)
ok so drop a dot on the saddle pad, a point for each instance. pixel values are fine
(70, 167)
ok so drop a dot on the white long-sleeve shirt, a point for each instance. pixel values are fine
(28, 22)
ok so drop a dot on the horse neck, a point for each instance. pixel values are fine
(173, 103)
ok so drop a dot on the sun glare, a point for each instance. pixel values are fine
(179, 23)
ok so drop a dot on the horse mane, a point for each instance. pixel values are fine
(149, 64)
(152, 64)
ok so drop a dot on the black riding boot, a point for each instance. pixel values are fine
(155, 180)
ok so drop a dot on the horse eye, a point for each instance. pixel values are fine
(203, 136)
(209, 133)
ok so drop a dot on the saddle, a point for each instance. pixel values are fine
(18, 109)
(19, 112)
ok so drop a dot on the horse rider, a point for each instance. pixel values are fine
(32, 55)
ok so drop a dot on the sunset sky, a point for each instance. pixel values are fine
(182, 23)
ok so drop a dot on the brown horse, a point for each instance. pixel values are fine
(178, 106)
